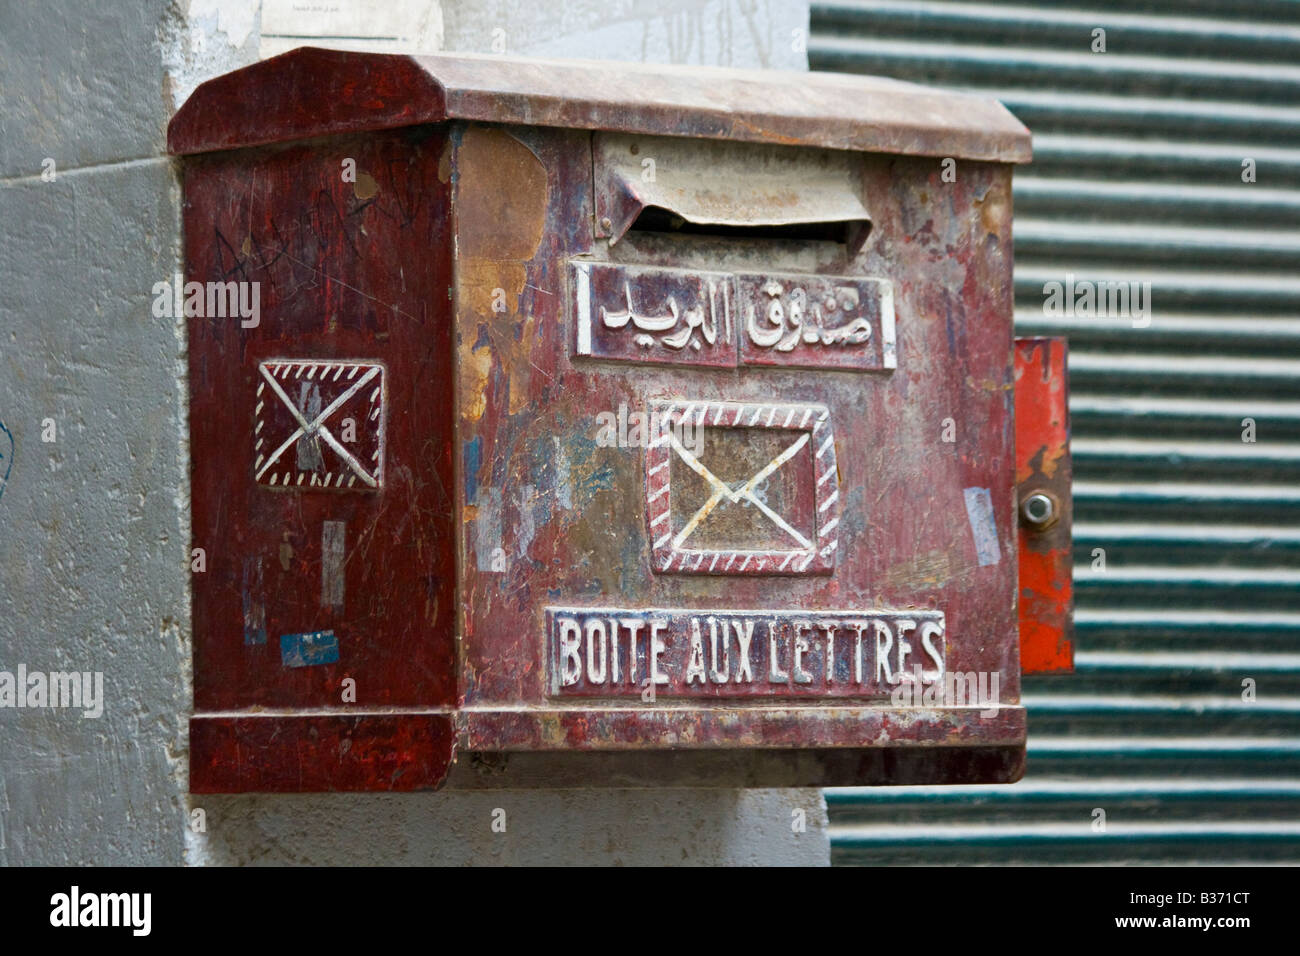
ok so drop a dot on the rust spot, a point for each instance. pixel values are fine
(365, 187)
(491, 287)
(994, 210)
(520, 365)
(444, 165)
(475, 367)
(932, 568)
(501, 196)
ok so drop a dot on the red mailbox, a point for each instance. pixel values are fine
(609, 425)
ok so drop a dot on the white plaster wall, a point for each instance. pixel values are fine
(94, 532)
(542, 828)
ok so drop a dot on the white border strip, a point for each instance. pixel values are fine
(582, 294)
(889, 345)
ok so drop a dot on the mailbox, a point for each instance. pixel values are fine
(605, 424)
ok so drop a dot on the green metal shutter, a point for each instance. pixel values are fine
(1138, 176)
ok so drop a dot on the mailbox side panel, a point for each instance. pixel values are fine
(322, 442)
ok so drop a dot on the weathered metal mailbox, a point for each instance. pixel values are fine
(609, 425)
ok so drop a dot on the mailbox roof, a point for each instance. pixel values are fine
(311, 92)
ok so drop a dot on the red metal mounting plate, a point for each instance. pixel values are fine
(1043, 473)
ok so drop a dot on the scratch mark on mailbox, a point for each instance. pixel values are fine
(254, 602)
(333, 552)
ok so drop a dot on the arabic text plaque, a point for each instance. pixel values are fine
(653, 314)
(811, 321)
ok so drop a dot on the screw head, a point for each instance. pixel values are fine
(1040, 510)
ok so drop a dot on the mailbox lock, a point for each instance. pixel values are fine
(1039, 511)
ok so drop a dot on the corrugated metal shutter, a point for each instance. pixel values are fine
(1137, 176)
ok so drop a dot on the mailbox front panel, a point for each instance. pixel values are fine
(728, 488)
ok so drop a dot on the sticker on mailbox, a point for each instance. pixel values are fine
(612, 653)
(757, 491)
(319, 425)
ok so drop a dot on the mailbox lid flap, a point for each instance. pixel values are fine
(311, 92)
(724, 184)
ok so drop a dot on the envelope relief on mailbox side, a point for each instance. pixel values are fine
(319, 424)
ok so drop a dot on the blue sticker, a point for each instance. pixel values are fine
(472, 454)
(310, 649)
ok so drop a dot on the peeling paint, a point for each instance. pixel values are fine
(979, 512)
(487, 529)
(526, 528)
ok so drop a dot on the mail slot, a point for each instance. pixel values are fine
(610, 425)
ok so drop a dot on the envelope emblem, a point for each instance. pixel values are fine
(742, 488)
(319, 425)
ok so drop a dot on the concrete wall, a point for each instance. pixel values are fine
(94, 537)
(93, 533)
